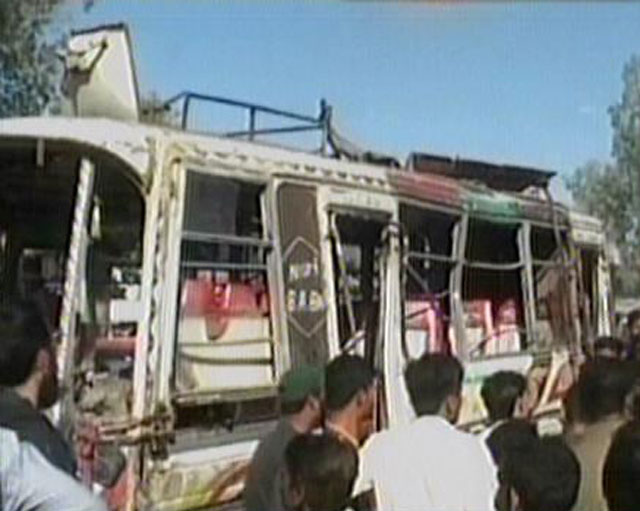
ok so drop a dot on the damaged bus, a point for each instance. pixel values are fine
(185, 272)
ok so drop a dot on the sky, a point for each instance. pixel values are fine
(521, 83)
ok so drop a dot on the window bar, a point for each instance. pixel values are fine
(210, 265)
(431, 257)
(225, 239)
(344, 280)
(495, 266)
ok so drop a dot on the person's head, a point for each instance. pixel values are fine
(320, 471)
(621, 471)
(351, 393)
(542, 475)
(632, 402)
(602, 388)
(27, 354)
(503, 395)
(301, 393)
(608, 347)
(633, 323)
(510, 436)
(434, 383)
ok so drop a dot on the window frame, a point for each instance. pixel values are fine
(521, 266)
(180, 233)
(453, 261)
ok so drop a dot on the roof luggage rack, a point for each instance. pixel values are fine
(289, 122)
(331, 143)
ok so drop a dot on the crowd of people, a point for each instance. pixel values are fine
(326, 453)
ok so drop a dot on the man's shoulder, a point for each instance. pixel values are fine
(18, 415)
(33, 427)
(52, 488)
(271, 448)
(9, 449)
(280, 434)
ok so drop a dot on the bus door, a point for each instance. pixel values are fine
(362, 245)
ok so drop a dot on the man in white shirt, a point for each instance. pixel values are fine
(429, 464)
(28, 482)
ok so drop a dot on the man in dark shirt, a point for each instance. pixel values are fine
(350, 398)
(29, 383)
(301, 400)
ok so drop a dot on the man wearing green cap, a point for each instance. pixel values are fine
(301, 394)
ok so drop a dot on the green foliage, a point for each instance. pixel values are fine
(611, 191)
(28, 64)
(603, 191)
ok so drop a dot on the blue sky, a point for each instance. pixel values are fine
(525, 83)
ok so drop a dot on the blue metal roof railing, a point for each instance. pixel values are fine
(298, 123)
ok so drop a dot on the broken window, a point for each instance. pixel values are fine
(550, 286)
(492, 289)
(589, 259)
(40, 185)
(36, 206)
(357, 247)
(224, 347)
(113, 311)
(427, 264)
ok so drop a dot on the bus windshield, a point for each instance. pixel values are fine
(39, 214)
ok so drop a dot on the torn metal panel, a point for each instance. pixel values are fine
(510, 178)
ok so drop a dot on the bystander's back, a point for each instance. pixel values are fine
(320, 473)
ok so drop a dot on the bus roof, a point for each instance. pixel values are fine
(135, 144)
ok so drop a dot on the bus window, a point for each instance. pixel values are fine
(428, 261)
(224, 344)
(553, 320)
(589, 261)
(357, 247)
(36, 205)
(492, 289)
(36, 213)
(112, 309)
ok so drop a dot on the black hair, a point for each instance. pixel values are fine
(509, 437)
(324, 468)
(545, 474)
(621, 471)
(603, 385)
(608, 342)
(500, 391)
(345, 376)
(23, 333)
(431, 379)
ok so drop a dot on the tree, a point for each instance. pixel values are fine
(611, 191)
(27, 61)
(29, 68)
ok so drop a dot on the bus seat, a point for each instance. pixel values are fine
(201, 297)
(424, 327)
(478, 321)
(235, 316)
(506, 338)
(198, 297)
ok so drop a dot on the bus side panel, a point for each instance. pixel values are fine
(305, 298)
